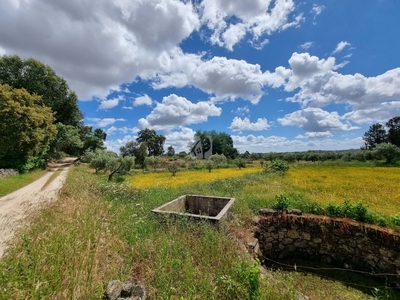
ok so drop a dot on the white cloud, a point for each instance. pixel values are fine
(317, 9)
(304, 66)
(340, 46)
(239, 124)
(107, 104)
(242, 111)
(96, 47)
(114, 145)
(104, 122)
(175, 111)
(257, 18)
(264, 144)
(316, 120)
(179, 139)
(313, 135)
(111, 130)
(307, 45)
(142, 100)
(380, 113)
(258, 45)
(358, 91)
(220, 77)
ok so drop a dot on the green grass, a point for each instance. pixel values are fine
(15, 182)
(99, 231)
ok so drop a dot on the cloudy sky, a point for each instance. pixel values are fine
(277, 75)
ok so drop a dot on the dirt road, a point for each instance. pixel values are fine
(15, 207)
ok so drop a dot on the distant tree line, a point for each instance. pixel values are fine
(40, 116)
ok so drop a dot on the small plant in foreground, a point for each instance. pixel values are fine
(281, 202)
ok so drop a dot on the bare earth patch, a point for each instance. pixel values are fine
(16, 206)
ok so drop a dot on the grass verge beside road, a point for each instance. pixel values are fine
(15, 182)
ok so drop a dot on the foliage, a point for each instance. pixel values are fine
(154, 142)
(120, 165)
(218, 159)
(170, 151)
(358, 212)
(153, 161)
(281, 202)
(375, 135)
(209, 165)
(68, 140)
(240, 162)
(99, 158)
(277, 166)
(41, 80)
(389, 152)
(26, 129)
(136, 149)
(394, 131)
(222, 143)
(173, 168)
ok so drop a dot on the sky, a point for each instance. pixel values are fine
(276, 75)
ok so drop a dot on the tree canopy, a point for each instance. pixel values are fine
(154, 142)
(26, 129)
(39, 79)
(394, 131)
(375, 135)
(222, 143)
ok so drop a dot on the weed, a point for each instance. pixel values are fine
(281, 202)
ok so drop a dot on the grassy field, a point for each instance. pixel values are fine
(99, 231)
(15, 182)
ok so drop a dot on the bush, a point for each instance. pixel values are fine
(281, 202)
(277, 166)
(240, 163)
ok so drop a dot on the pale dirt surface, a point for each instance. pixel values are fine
(16, 206)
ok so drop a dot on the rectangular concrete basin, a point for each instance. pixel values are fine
(209, 208)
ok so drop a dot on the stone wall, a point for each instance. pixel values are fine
(339, 242)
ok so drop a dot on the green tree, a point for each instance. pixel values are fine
(120, 165)
(386, 151)
(394, 131)
(136, 149)
(222, 143)
(154, 141)
(92, 140)
(67, 140)
(375, 135)
(26, 129)
(171, 151)
(41, 80)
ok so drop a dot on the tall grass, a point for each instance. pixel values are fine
(99, 231)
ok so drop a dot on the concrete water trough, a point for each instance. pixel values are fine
(210, 208)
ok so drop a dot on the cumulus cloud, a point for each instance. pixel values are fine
(316, 120)
(313, 135)
(239, 124)
(264, 144)
(220, 77)
(242, 110)
(358, 91)
(340, 46)
(175, 111)
(96, 47)
(107, 104)
(142, 100)
(256, 18)
(104, 122)
(304, 66)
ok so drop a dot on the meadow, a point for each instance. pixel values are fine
(99, 231)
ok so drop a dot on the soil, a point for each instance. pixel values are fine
(16, 206)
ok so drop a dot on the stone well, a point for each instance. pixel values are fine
(209, 208)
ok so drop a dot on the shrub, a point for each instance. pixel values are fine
(209, 165)
(315, 208)
(277, 166)
(173, 169)
(281, 202)
(240, 163)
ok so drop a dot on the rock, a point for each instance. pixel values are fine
(131, 289)
(114, 289)
(297, 212)
(7, 172)
(301, 296)
(268, 212)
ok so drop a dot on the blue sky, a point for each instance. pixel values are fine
(281, 75)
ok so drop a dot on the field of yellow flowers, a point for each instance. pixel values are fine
(377, 187)
(165, 179)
